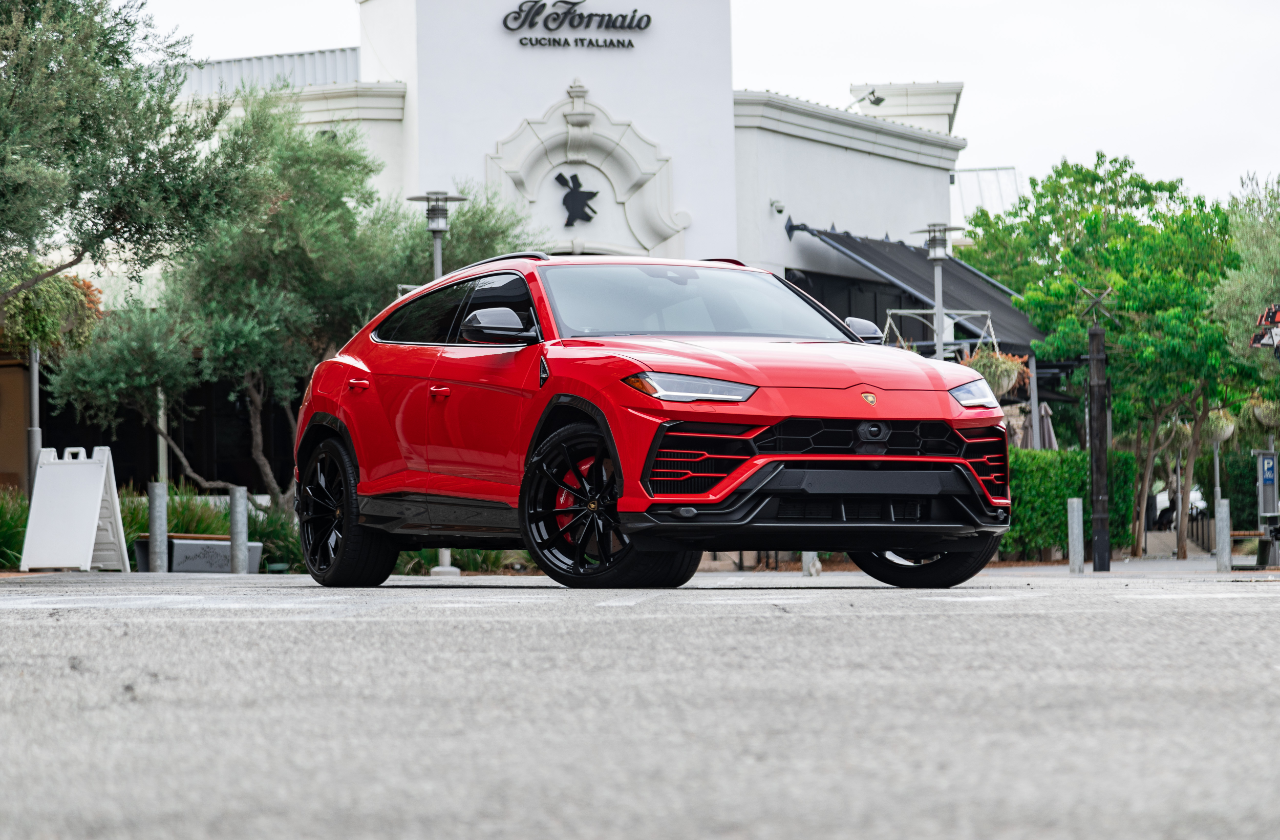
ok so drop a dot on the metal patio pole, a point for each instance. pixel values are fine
(1098, 447)
(1035, 405)
(33, 428)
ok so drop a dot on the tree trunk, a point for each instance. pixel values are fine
(253, 390)
(1188, 475)
(1154, 448)
(31, 282)
(1139, 508)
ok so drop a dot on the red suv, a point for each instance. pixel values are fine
(618, 416)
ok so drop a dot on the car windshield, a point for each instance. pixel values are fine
(598, 300)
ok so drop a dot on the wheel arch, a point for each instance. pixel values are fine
(320, 427)
(564, 410)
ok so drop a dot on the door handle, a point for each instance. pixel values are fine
(360, 384)
(439, 391)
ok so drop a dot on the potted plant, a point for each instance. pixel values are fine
(1001, 370)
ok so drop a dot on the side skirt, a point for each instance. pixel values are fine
(429, 521)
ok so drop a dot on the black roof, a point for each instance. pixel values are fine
(908, 268)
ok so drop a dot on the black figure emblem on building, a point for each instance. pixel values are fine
(576, 201)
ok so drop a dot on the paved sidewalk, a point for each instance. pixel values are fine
(1027, 703)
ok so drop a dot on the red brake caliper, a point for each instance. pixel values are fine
(565, 499)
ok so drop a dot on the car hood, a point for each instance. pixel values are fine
(788, 363)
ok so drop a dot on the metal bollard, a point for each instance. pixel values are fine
(239, 508)
(810, 566)
(1075, 536)
(1222, 539)
(158, 526)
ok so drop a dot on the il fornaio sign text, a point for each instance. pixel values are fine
(564, 14)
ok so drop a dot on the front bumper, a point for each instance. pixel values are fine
(831, 506)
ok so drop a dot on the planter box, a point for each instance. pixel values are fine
(192, 554)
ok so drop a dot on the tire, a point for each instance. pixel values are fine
(338, 550)
(569, 512)
(941, 571)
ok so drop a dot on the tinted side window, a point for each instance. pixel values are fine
(502, 290)
(425, 320)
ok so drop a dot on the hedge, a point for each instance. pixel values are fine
(1042, 481)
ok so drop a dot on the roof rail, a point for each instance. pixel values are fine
(526, 255)
(728, 260)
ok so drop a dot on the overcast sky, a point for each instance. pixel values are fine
(1187, 90)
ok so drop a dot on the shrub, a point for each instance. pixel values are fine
(1042, 481)
(13, 526)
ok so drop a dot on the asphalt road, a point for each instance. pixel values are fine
(1144, 704)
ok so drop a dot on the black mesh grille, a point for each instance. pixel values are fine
(804, 436)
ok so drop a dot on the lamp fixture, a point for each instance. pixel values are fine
(869, 97)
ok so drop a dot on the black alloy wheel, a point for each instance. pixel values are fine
(337, 549)
(569, 518)
(923, 570)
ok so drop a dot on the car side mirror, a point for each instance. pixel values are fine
(498, 325)
(865, 330)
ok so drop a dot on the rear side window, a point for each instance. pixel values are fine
(425, 320)
(507, 291)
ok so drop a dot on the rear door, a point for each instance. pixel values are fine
(480, 394)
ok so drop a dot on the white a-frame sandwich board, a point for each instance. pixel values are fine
(75, 514)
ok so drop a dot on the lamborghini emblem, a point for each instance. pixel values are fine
(870, 398)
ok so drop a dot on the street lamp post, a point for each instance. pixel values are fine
(438, 224)
(937, 245)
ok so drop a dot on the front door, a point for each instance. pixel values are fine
(480, 393)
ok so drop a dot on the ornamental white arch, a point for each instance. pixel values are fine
(578, 135)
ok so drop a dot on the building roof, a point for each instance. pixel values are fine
(298, 70)
(908, 268)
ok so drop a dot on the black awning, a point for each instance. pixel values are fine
(908, 268)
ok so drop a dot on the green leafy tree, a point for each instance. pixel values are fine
(1157, 257)
(140, 360)
(97, 158)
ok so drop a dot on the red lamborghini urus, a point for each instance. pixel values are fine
(618, 416)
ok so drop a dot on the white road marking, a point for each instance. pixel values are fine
(1181, 596)
(1012, 596)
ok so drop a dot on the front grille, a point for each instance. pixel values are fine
(812, 436)
(694, 457)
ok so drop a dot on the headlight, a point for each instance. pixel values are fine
(673, 387)
(976, 394)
